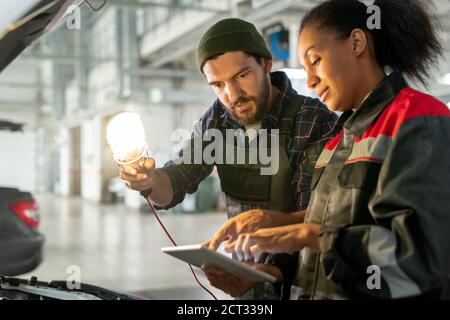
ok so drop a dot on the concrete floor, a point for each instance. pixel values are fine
(119, 248)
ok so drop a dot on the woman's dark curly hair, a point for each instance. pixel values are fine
(407, 41)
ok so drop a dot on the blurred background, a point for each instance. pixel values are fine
(96, 60)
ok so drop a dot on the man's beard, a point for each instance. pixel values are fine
(262, 108)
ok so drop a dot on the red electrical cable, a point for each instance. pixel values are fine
(155, 212)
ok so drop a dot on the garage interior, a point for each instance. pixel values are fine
(130, 55)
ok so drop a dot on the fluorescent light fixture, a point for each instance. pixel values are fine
(295, 74)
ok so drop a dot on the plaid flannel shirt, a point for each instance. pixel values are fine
(313, 125)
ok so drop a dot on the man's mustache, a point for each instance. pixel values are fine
(240, 101)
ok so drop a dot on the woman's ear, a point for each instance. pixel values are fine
(358, 39)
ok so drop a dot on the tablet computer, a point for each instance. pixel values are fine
(197, 255)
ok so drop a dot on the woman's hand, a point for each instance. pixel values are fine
(251, 221)
(290, 238)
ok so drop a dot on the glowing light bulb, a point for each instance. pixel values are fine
(126, 136)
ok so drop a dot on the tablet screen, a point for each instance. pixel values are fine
(197, 255)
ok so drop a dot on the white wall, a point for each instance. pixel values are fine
(158, 126)
(133, 199)
(63, 187)
(17, 160)
(91, 159)
(72, 98)
(103, 85)
(18, 152)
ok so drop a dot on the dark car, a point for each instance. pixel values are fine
(21, 244)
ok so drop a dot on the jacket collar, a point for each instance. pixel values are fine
(358, 121)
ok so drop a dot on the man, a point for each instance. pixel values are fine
(237, 64)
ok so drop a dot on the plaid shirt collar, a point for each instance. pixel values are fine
(272, 119)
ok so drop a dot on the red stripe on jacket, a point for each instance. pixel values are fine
(408, 104)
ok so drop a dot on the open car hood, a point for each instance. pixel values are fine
(45, 15)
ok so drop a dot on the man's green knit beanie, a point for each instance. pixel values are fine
(231, 35)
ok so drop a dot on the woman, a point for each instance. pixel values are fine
(378, 220)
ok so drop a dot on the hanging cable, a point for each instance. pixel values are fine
(155, 212)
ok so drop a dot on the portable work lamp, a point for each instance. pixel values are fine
(126, 136)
